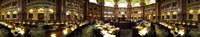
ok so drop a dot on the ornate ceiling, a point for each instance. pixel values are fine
(124, 3)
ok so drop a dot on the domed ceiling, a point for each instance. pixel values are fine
(124, 3)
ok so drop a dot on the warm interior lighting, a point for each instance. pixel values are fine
(143, 32)
(175, 13)
(51, 11)
(163, 14)
(90, 14)
(191, 12)
(108, 4)
(152, 1)
(41, 10)
(181, 32)
(122, 5)
(105, 15)
(154, 14)
(122, 13)
(15, 12)
(53, 35)
(8, 13)
(68, 12)
(109, 16)
(112, 16)
(168, 13)
(140, 12)
(65, 31)
(93, 1)
(198, 11)
(30, 11)
(136, 4)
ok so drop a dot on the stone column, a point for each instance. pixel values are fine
(116, 9)
(22, 14)
(102, 9)
(129, 9)
(58, 9)
(158, 14)
(143, 10)
(182, 13)
(86, 3)
(63, 12)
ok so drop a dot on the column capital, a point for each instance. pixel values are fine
(143, 4)
(116, 2)
(129, 6)
(115, 6)
(129, 2)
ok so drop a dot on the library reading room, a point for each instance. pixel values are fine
(99, 18)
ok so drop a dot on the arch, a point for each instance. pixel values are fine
(41, 10)
(93, 1)
(30, 11)
(122, 5)
(135, 3)
(175, 13)
(15, 12)
(191, 11)
(168, 13)
(51, 11)
(109, 3)
(190, 14)
(8, 13)
(151, 2)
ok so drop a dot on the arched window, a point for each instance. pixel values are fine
(122, 5)
(15, 14)
(175, 15)
(136, 4)
(51, 14)
(152, 1)
(93, 1)
(51, 11)
(30, 13)
(190, 14)
(40, 10)
(108, 4)
(8, 15)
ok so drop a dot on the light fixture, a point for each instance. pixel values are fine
(8, 13)
(168, 13)
(140, 12)
(65, 31)
(53, 35)
(15, 12)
